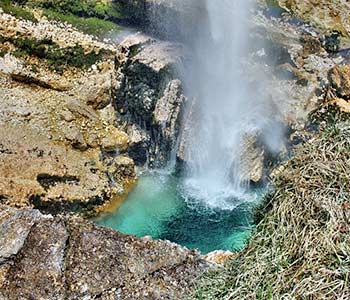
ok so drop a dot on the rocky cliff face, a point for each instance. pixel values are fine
(45, 257)
(150, 97)
(60, 145)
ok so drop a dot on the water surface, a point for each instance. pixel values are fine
(157, 207)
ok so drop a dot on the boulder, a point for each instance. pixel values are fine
(67, 257)
(339, 79)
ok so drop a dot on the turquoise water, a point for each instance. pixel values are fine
(157, 208)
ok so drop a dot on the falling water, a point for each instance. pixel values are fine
(210, 206)
(225, 107)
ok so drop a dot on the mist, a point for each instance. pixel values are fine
(228, 106)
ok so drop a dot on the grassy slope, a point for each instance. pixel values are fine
(89, 25)
(91, 17)
(301, 249)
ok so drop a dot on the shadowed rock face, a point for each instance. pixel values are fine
(150, 97)
(43, 257)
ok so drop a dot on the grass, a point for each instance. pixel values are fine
(301, 248)
(89, 25)
(17, 11)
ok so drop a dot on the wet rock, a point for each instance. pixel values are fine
(168, 116)
(70, 258)
(140, 142)
(149, 95)
(122, 167)
(251, 159)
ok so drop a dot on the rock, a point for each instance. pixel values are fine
(36, 171)
(176, 19)
(45, 117)
(139, 146)
(219, 256)
(37, 270)
(168, 116)
(114, 140)
(15, 226)
(97, 91)
(149, 93)
(73, 134)
(122, 167)
(26, 77)
(80, 109)
(328, 16)
(70, 258)
(339, 79)
(251, 159)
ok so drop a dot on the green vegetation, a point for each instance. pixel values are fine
(301, 248)
(17, 11)
(91, 25)
(57, 58)
(83, 8)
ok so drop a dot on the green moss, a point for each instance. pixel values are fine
(90, 25)
(17, 11)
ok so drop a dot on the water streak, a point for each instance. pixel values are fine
(226, 107)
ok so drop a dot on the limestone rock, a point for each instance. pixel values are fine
(327, 15)
(168, 115)
(114, 140)
(70, 258)
(122, 167)
(339, 78)
(149, 96)
(251, 159)
(140, 142)
(97, 91)
(218, 256)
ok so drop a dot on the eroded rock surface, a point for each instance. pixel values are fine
(45, 257)
(58, 129)
(150, 97)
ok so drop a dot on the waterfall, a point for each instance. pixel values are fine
(227, 101)
(226, 107)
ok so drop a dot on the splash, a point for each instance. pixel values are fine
(227, 107)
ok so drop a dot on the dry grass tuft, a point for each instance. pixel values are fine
(301, 249)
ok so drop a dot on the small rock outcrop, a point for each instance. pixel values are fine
(149, 97)
(45, 257)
